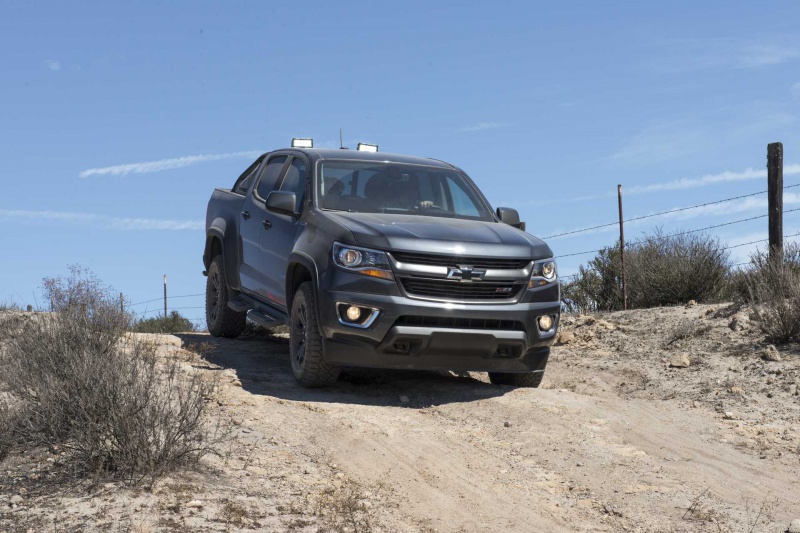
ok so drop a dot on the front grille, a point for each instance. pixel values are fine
(455, 260)
(460, 323)
(443, 289)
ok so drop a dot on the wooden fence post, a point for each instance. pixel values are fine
(165, 296)
(622, 250)
(775, 199)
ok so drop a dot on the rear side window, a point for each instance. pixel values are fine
(244, 181)
(295, 181)
(270, 175)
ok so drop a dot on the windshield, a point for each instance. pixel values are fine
(367, 187)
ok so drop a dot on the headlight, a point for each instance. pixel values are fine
(544, 272)
(362, 260)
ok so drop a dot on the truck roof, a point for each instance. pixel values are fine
(356, 155)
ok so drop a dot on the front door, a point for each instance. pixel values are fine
(281, 231)
(252, 271)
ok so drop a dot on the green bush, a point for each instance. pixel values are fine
(174, 323)
(661, 269)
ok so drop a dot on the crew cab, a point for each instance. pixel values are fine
(379, 260)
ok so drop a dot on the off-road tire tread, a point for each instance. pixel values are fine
(229, 323)
(316, 372)
(529, 379)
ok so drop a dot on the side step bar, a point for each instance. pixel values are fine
(263, 319)
(257, 312)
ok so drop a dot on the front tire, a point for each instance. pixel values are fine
(305, 342)
(525, 379)
(222, 321)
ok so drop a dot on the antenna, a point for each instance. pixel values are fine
(341, 142)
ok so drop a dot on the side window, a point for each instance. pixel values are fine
(243, 182)
(269, 176)
(463, 203)
(295, 181)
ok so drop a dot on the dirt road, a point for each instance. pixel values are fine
(616, 440)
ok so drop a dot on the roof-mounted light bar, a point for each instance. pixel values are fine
(303, 143)
(364, 147)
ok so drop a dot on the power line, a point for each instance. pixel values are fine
(162, 299)
(677, 210)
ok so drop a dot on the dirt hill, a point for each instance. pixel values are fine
(678, 419)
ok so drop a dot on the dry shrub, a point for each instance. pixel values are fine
(774, 289)
(345, 508)
(99, 393)
(661, 269)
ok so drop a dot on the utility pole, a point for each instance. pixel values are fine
(121, 304)
(775, 199)
(165, 296)
(622, 249)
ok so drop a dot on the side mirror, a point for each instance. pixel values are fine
(282, 202)
(510, 216)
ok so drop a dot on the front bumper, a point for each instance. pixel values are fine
(418, 334)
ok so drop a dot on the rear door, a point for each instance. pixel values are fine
(252, 271)
(281, 231)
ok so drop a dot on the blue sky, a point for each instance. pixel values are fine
(118, 119)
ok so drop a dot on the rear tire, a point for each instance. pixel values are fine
(305, 342)
(222, 321)
(529, 379)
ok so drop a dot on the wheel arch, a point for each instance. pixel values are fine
(301, 268)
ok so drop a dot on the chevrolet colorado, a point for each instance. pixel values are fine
(379, 260)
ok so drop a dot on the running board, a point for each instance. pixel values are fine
(239, 306)
(263, 319)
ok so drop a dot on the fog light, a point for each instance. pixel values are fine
(353, 313)
(545, 323)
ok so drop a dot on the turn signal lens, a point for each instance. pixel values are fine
(384, 274)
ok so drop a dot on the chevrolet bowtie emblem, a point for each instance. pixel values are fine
(466, 273)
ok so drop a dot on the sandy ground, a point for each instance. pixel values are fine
(616, 440)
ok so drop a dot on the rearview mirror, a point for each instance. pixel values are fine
(282, 202)
(510, 216)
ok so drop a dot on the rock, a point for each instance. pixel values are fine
(15, 499)
(565, 337)
(737, 390)
(404, 399)
(195, 504)
(691, 303)
(606, 325)
(738, 323)
(794, 527)
(507, 424)
(770, 353)
(680, 360)
(729, 415)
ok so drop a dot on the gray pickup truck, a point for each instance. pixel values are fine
(379, 260)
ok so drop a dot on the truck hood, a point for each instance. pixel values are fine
(414, 233)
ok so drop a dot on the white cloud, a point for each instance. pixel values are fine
(163, 164)
(52, 65)
(759, 55)
(689, 55)
(100, 221)
(485, 126)
(710, 179)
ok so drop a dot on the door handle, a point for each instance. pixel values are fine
(245, 214)
(266, 223)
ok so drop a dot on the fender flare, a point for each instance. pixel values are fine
(308, 262)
